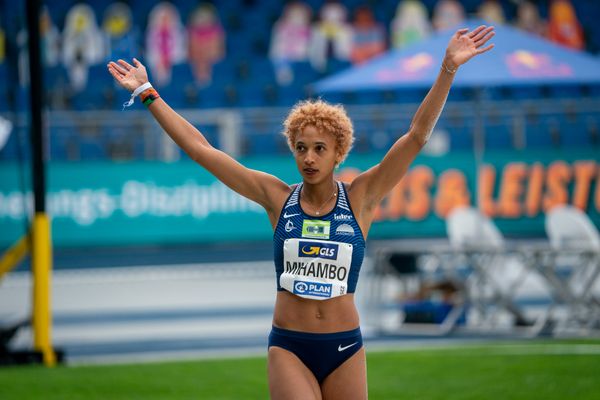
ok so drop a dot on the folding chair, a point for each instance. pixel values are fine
(476, 240)
(573, 266)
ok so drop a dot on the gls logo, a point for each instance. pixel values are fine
(315, 249)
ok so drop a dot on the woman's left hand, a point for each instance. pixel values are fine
(465, 45)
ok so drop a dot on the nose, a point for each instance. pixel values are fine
(309, 158)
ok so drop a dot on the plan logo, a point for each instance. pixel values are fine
(316, 289)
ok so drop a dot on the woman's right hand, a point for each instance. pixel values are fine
(129, 76)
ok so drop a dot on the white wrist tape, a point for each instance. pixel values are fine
(136, 93)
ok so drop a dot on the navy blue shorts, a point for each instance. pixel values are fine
(322, 353)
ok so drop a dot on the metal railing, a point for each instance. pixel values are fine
(134, 134)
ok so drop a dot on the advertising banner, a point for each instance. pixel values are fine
(156, 203)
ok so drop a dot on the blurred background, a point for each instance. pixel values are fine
(492, 233)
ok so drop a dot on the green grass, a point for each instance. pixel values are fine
(529, 370)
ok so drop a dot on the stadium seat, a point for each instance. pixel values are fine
(238, 45)
(290, 95)
(224, 73)
(257, 70)
(99, 92)
(55, 78)
(212, 96)
(304, 72)
(182, 92)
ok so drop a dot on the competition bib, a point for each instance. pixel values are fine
(316, 269)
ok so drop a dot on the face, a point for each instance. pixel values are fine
(315, 154)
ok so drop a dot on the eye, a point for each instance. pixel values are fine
(300, 148)
(319, 148)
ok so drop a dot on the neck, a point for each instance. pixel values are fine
(317, 193)
(321, 196)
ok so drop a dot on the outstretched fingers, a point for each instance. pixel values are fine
(483, 41)
(481, 50)
(125, 64)
(118, 68)
(476, 31)
(484, 34)
(115, 73)
(461, 32)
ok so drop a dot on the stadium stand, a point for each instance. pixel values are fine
(245, 79)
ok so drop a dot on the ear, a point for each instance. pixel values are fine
(338, 159)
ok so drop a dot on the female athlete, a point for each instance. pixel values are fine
(320, 225)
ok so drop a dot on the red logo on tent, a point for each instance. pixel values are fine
(407, 68)
(523, 63)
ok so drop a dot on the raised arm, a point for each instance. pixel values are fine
(372, 185)
(257, 186)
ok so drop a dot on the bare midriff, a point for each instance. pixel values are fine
(318, 316)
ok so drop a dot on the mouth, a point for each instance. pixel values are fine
(310, 171)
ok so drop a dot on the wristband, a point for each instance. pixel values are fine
(148, 96)
(136, 92)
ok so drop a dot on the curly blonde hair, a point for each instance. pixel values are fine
(326, 118)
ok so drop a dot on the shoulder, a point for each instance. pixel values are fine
(280, 192)
(278, 195)
(361, 204)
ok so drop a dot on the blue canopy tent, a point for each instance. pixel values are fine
(518, 59)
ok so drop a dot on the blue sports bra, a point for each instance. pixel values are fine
(318, 257)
